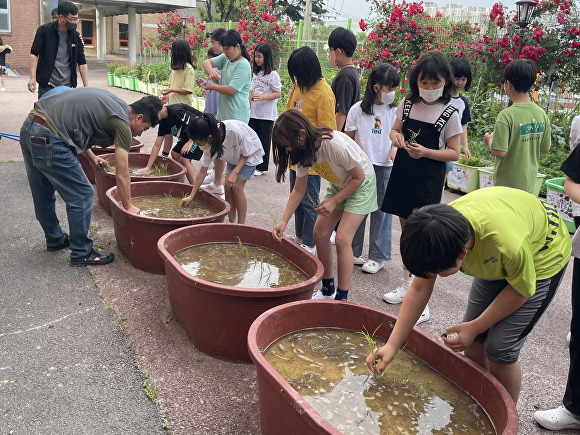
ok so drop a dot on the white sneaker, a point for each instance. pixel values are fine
(319, 295)
(372, 266)
(396, 296)
(333, 238)
(309, 249)
(424, 316)
(3, 90)
(218, 190)
(557, 419)
(296, 239)
(569, 337)
(359, 261)
(209, 177)
(257, 173)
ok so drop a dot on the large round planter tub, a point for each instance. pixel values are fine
(217, 317)
(137, 235)
(98, 151)
(105, 180)
(284, 411)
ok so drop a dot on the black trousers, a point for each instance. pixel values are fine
(572, 395)
(263, 128)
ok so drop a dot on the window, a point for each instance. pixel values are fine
(5, 16)
(123, 35)
(87, 32)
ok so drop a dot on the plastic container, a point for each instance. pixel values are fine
(560, 201)
(486, 179)
(464, 178)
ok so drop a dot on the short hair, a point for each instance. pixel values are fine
(521, 73)
(433, 238)
(54, 13)
(344, 39)
(431, 65)
(149, 107)
(461, 68)
(65, 8)
(304, 68)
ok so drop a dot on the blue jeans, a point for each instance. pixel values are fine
(54, 167)
(381, 223)
(305, 215)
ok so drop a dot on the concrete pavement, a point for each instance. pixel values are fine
(67, 367)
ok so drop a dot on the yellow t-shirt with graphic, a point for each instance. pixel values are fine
(518, 237)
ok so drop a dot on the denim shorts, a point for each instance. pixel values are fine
(504, 340)
(245, 173)
(363, 200)
(449, 166)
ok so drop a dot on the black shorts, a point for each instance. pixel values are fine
(194, 154)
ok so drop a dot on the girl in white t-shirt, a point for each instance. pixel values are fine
(237, 145)
(369, 123)
(351, 193)
(264, 93)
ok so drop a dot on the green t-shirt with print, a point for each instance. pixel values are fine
(521, 130)
(518, 237)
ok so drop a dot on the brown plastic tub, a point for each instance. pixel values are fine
(283, 411)
(98, 151)
(217, 317)
(137, 235)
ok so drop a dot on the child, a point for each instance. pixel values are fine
(350, 195)
(514, 245)
(236, 144)
(369, 122)
(427, 130)
(233, 87)
(215, 49)
(265, 91)
(173, 120)
(461, 81)
(311, 95)
(4, 50)
(180, 89)
(521, 132)
(568, 416)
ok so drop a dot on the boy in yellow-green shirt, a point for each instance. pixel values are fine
(515, 246)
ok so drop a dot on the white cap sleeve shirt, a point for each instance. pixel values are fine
(336, 157)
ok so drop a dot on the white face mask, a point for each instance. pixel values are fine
(387, 97)
(431, 95)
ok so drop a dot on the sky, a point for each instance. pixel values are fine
(357, 9)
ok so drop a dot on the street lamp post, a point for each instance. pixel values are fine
(184, 24)
(524, 10)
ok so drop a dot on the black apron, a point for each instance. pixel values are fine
(416, 182)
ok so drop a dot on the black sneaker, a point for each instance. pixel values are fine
(62, 245)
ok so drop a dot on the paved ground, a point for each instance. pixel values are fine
(66, 366)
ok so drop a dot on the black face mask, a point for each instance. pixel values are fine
(70, 26)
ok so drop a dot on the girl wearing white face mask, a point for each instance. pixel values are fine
(369, 122)
(427, 130)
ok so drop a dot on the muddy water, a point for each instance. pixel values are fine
(327, 368)
(169, 207)
(239, 265)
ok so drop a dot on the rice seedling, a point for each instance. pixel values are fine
(414, 135)
(311, 200)
(405, 375)
(161, 169)
(370, 339)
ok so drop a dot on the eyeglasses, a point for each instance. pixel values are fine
(71, 20)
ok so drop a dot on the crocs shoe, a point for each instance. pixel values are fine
(425, 315)
(557, 419)
(321, 296)
(358, 261)
(396, 296)
(372, 266)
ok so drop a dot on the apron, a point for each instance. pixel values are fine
(416, 182)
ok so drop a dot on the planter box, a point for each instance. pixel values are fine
(111, 79)
(137, 235)
(486, 179)
(560, 201)
(105, 180)
(142, 86)
(117, 81)
(125, 82)
(283, 411)
(132, 83)
(217, 317)
(463, 177)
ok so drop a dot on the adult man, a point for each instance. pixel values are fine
(56, 51)
(61, 126)
(514, 245)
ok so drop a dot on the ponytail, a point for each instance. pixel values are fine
(204, 126)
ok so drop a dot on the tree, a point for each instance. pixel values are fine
(294, 9)
(222, 10)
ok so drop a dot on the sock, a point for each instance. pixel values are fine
(341, 295)
(164, 154)
(327, 286)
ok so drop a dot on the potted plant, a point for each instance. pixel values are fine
(217, 317)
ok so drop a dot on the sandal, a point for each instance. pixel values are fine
(65, 243)
(95, 258)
